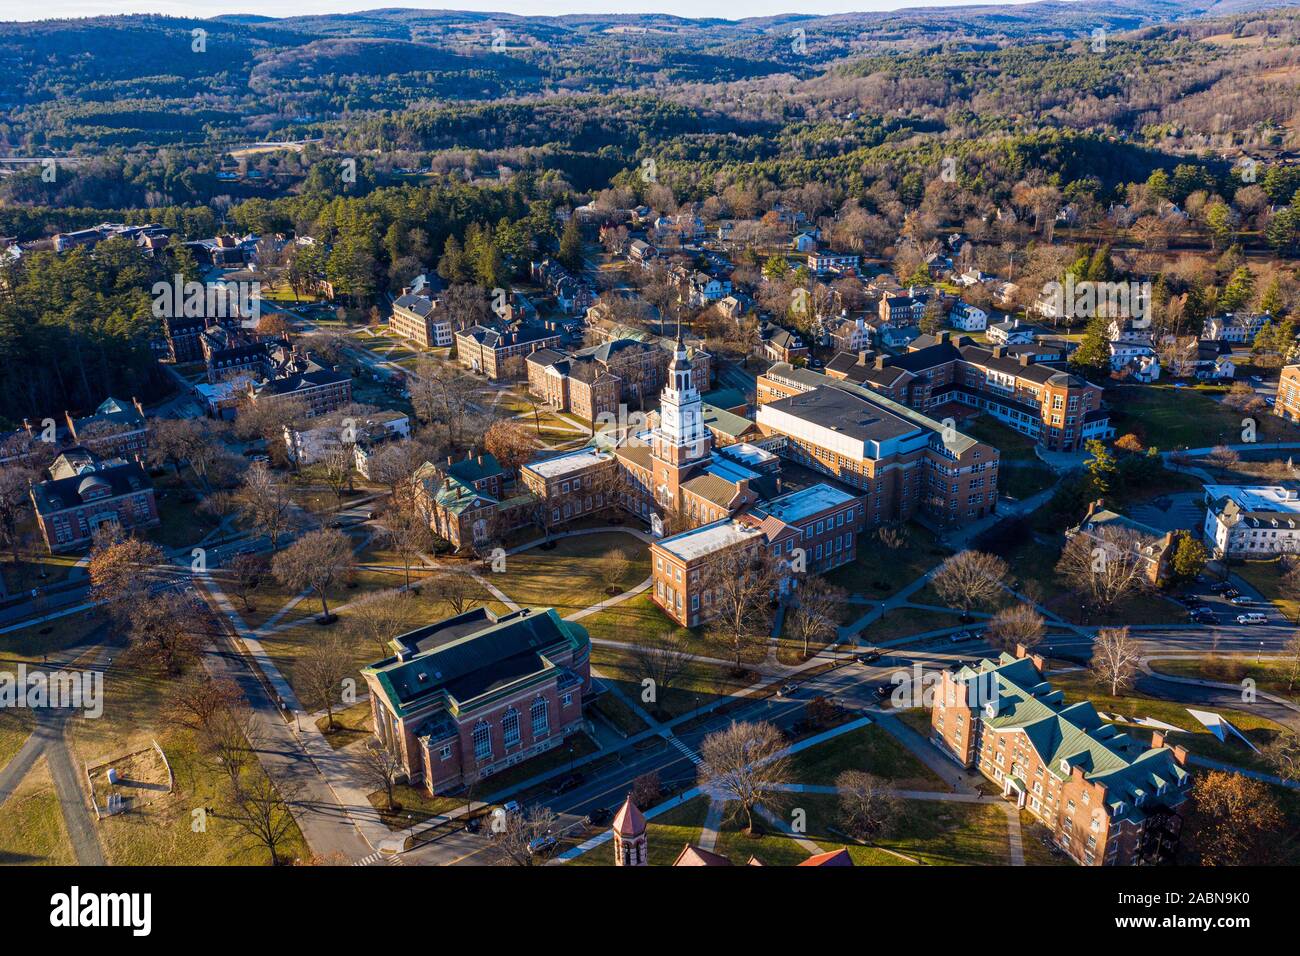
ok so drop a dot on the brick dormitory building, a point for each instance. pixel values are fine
(902, 461)
(85, 492)
(1107, 798)
(1049, 404)
(469, 696)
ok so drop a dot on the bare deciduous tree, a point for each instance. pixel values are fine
(663, 662)
(266, 503)
(513, 834)
(1105, 566)
(257, 808)
(381, 770)
(320, 674)
(614, 565)
(813, 612)
(743, 763)
(1115, 658)
(970, 578)
(1019, 624)
(380, 616)
(867, 806)
(315, 562)
(735, 589)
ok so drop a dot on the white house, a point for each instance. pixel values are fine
(1240, 328)
(306, 446)
(967, 317)
(1141, 360)
(1011, 332)
(1251, 520)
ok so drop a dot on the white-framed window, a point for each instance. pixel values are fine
(483, 742)
(510, 728)
(445, 752)
(568, 699)
(541, 719)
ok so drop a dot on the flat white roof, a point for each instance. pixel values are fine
(747, 454)
(812, 500)
(708, 539)
(567, 463)
(1258, 497)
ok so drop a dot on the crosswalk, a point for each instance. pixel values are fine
(686, 751)
(389, 859)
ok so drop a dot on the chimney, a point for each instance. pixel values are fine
(998, 351)
(406, 290)
(1026, 359)
(943, 337)
(880, 361)
(862, 357)
(1180, 755)
(1157, 739)
(480, 461)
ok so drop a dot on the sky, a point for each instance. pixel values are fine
(729, 9)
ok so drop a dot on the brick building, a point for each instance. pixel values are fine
(469, 696)
(900, 460)
(1287, 403)
(822, 521)
(85, 492)
(293, 374)
(500, 354)
(418, 318)
(1060, 410)
(1108, 798)
(470, 501)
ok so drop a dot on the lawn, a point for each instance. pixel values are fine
(1037, 852)
(1011, 444)
(411, 806)
(31, 644)
(15, 727)
(1270, 676)
(571, 576)
(904, 621)
(1020, 481)
(666, 834)
(1266, 578)
(32, 831)
(931, 832)
(163, 831)
(879, 571)
(868, 748)
(1170, 418)
(699, 683)
(350, 725)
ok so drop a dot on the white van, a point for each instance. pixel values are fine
(1254, 617)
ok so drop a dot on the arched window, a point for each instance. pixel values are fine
(482, 742)
(510, 728)
(541, 721)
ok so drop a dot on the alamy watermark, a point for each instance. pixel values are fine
(37, 690)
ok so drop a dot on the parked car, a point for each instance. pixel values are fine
(883, 691)
(1253, 617)
(512, 807)
(1219, 586)
(473, 825)
(786, 689)
(542, 844)
(870, 657)
(1241, 599)
(960, 636)
(600, 816)
(571, 782)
